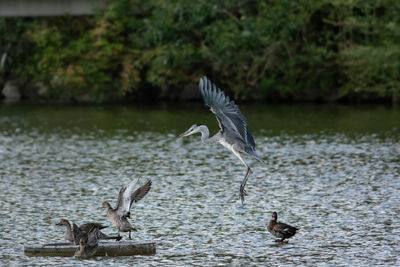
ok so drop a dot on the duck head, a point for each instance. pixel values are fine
(106, 205)
(63, 222)
(274, 216)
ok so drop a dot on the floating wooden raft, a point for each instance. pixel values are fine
(122, 248)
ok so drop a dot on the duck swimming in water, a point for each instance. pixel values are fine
(126, 197)
(280, 230)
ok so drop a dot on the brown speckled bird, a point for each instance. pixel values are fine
(88, 243)
(71, 234)
(127, 196)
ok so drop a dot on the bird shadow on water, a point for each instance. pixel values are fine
(278, 244)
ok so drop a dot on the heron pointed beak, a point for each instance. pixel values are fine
(184, 134)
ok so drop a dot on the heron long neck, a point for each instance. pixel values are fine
(205, 135)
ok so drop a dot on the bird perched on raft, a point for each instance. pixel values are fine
(280, 230)
(126, 197)
(88, 243)
(233, 134)
(72, 233)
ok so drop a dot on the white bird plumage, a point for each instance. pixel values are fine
(127, 198)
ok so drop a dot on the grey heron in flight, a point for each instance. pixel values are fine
(233, 134)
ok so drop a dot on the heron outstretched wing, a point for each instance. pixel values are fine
(229, 117)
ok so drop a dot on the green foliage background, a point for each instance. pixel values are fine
(283, 49)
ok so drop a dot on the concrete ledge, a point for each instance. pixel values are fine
(122, 248)
(36, 8)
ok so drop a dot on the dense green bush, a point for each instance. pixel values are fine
(302, 50)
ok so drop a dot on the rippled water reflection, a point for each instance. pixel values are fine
(339, 184)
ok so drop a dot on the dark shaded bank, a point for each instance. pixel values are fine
(188, 95)
(319, 51)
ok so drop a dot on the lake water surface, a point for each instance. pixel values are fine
(332, 171)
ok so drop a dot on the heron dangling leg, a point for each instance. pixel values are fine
(242, 191)
(243, 184)
(130, 234)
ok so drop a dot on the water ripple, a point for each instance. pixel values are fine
(342, 191)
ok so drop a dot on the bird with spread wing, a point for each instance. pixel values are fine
(233, 134)
(119, 216)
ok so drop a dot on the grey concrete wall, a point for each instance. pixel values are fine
(34, 8)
